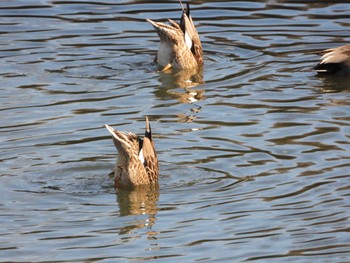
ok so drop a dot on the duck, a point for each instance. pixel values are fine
(180, 46)
(334, 61)
(137, 162)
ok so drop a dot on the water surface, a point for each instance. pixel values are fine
(254, 156)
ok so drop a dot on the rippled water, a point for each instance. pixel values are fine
(254, 166)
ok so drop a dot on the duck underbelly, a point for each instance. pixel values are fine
(164, 54)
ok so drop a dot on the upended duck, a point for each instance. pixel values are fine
(180, 47)
(334, 61)
(137, 162)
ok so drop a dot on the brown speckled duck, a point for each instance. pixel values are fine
(137, 162)
(334, 61)
(180, 47)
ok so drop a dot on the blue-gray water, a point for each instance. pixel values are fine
(255, 167)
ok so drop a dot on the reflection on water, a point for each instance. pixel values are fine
(181, 79)
(334, 84)
(139, 201)
(253, 149)
(142, 200)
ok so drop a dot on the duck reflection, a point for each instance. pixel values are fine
(333, 84)
(181, 87)
(188, 95)
(139, 200)
(182, 79)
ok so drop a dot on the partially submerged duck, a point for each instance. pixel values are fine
(180, 47)
(334, 61)
(137, 162)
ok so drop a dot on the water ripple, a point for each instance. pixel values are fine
(254, 155)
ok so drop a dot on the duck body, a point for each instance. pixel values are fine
(137, 162)
(334, 61)
(180, 47)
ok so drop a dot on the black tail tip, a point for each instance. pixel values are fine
(328, 68)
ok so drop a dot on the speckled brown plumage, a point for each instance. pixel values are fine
(137, 162)
(180, 46)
